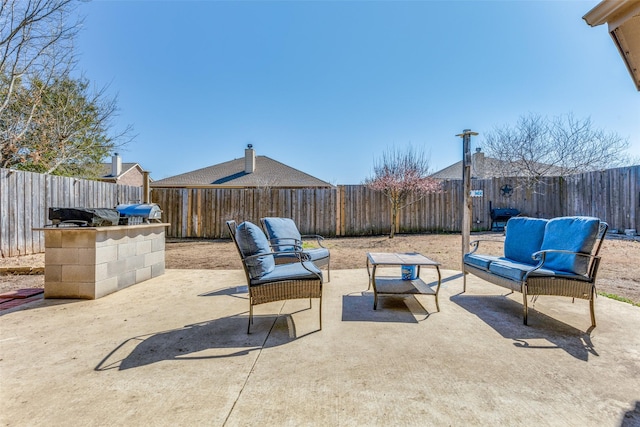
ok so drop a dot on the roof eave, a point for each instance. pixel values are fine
(623, 19)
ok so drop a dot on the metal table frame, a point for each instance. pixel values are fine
(395, 285)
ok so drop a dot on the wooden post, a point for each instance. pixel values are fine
(466, 179)
(146, 197)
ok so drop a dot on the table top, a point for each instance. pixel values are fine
(407, 258)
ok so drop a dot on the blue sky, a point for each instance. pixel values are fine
(327, 86)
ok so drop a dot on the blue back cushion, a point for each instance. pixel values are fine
(282, 228)
(252, 241)
(524, 237)
(572, 233)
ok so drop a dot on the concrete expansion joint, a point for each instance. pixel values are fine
(253, 366)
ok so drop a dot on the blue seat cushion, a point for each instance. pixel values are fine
(292, 271)
(479, 260)
(252, 241)
(317, 254)
(524, 236)
(517, 270)
(314, 255)
(575, 234)
(282, 228)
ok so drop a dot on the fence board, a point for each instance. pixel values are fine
(350, 210)
(25, 198)
(353, 210)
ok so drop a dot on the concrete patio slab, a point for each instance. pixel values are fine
(174, 351)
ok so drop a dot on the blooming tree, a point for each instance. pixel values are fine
(399, 174)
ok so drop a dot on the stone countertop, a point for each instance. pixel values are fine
(108, 228)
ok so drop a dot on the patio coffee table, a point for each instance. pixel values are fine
(386, 285)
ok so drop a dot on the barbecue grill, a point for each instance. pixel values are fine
(138, 213)
(84, 217)
(124, 214)
(500, 216)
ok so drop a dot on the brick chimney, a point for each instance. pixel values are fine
(116, 165)
(249, 159)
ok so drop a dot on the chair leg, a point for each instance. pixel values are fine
(593, 312)
(250, 318)
(524, 301)
(464, 281)
(320, 312)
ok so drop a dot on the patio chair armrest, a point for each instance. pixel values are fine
(285, 241)
(540, 256)
(301, 256)
(475, 244)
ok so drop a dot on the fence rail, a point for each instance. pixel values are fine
(347, 210)
(25, 199)
(354, 210)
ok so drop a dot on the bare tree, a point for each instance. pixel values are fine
(36, 44)
(49, 121)
(36, 41)
(399, 174)
(537, 146)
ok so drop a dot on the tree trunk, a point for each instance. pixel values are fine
(394, 219)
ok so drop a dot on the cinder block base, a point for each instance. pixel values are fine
(91, 262)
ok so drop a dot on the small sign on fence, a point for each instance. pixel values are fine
(476, 193)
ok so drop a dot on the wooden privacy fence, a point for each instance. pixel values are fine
(25, 199)
(347, 210)
(202, 212)
(354, 210)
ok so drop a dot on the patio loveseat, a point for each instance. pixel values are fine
(544, 257)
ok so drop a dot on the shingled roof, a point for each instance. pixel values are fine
(232, 174)
(483, 167)
(107, 172)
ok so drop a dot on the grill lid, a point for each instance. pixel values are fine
(91, 217)
(142, 210)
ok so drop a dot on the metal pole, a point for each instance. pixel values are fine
(466, 180)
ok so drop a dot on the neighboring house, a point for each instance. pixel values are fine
(483, 167)
(122, 173)
(246, 172)
(623, 18)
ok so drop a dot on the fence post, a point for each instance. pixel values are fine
(466, 178)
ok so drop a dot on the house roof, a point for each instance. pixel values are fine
(623, 19)
(489, 170)
(268, 173)
(483, 167)
(106, 169)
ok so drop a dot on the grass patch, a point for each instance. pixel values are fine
(619, 298)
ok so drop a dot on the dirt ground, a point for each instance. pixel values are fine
(619, 270)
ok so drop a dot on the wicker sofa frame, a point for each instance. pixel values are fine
(536, 285)
(284, 288)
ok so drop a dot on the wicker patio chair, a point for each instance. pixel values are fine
(268, 281)
(284, 235)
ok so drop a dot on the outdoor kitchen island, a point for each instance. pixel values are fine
(91, 262)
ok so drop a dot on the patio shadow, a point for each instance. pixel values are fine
(359, 308)
(219, 338)
(632, 417)
(234, 291)
(543, 332)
